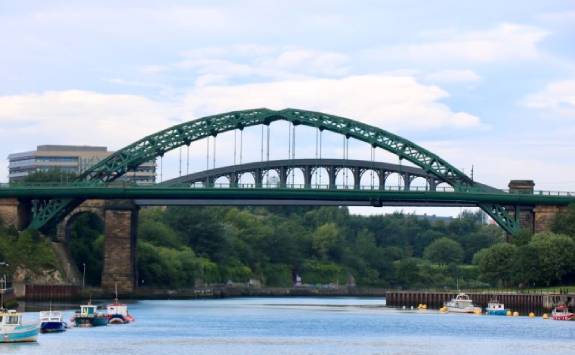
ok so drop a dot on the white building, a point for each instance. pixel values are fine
(70, 159)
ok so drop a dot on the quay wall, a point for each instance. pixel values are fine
(515, 301)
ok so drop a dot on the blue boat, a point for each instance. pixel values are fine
(52, 322)
(89, 316)
(495, 308)
(13, 331)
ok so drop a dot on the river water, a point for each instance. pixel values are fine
(303, 326)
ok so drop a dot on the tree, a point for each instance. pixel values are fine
(326, 241)
(52, 175)
(444, 251)
(496, 263)
(407, 272)
(564, 222)
(555, 255)
(525, 269)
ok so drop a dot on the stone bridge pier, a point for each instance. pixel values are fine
(121, 225)
(120, 219)
(535, 219)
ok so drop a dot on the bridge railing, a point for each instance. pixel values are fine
(542, 193)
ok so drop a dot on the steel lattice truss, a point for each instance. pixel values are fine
(157, 144)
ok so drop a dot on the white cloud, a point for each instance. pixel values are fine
(222, 65)
(503, 42)
(86, 117)
(453, 76)
(81, 117)
(557, 98)
(391, 102)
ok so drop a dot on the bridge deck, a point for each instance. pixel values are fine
(349, 196)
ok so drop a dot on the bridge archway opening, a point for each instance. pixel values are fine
(394, 182)
(85, 242)
(443, 187)
(222, 181)
(369, 180)
(295, 178)
(320, 178)
(271, 179)
(246, 180)
(345, 179)
(419, 183)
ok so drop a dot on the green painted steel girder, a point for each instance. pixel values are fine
(486, 200)
(157, 144)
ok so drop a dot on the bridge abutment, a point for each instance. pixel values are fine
(14, 212)
(121, 222)
(537, 218)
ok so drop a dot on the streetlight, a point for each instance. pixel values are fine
(84, 276)
(3, 286)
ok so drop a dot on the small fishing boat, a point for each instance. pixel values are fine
(52, 322)
(462, 304)
(118, 312)
(89, 316)
(12, 330)
(562, 313)
(494, 308)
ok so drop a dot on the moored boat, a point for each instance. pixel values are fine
(494, 308)
(462, 304)
(52, 322)
(562, 313)
(118, 312)
(89, 316)
(12, 330)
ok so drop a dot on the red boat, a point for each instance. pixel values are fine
(562, 313)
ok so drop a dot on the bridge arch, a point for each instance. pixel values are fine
(157, 144)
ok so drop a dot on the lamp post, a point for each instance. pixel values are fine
(84, 276)
(3, 286)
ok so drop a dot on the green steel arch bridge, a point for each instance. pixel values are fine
(51, 203)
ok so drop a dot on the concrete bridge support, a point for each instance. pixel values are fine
(121, 221)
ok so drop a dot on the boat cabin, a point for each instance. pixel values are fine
(117, 309)
(10, 318)
(495, 305)
(51, 316)
(88, 310)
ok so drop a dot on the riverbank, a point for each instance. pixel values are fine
(523, 301)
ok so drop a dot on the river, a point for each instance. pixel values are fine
(303, 326)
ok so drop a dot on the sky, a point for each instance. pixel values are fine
(488, 84)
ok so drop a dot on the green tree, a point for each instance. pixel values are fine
(555, 255)
(444, 251)
(407, 273)
(86, 245)
(564, 222)
(52, 175)
(327, 241)
(525, 269)
(496, 263)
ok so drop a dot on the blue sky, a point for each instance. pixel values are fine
(489, 84)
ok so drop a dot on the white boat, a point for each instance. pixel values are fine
(118, 312)
(13, 331)
(462, 304)
(494, 308)
(11, 328)
(52, 322)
